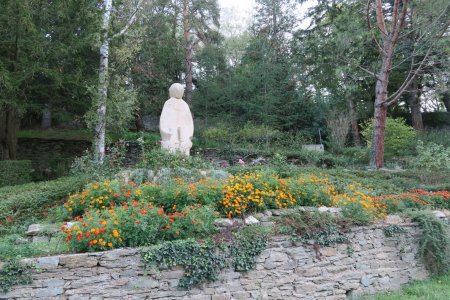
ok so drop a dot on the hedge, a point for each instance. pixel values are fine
(24, 202)
(13, 172)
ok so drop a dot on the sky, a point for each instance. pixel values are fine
(237, 13)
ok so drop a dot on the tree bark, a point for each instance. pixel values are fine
(377, 157)
(138, 121)
(354, 124)
(9, 126)
(100, 128)
(414, 104)
(187, 53)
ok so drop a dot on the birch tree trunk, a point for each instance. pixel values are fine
(103, 78)
(187, 53)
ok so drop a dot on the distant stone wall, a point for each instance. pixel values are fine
(370, 263)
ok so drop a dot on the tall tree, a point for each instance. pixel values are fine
(391, 20)
(200, 26)
(104, 80)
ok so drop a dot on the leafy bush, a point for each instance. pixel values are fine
(88, 165)
(136, 224)
(23, 203)
(13, 172)
(156, 159)
(432, 157)
(435, 136)
(398, 140)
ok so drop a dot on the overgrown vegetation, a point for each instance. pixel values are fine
(434, 243)
(23, 204)
(436, 288)
(14, 172)
(322, 229)
(12, 273)
(202, 261)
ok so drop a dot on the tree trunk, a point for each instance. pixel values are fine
(377, 153)
(9, 126)
(414, 105)
(46, 121)
(187, 53)
(138, 121)
(100, 128)
(354, 124)
(446, 100)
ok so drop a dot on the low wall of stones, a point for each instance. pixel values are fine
(369, 263)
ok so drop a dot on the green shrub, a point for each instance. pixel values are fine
(357, 214)
(398, 139)
(23, 203)
(432, 157)
(88, 165)
(156, 159)
(13, 172)
(435, 136)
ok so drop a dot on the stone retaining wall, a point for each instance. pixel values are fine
(370, 263)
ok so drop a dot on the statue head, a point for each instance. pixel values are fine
(176, 90)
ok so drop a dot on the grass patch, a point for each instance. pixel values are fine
(433, 289)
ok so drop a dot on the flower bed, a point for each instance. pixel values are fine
(113, 214)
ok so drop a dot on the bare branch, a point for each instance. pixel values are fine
(369, 24)
(400, 21)
(395, 16)
(362, 68)
(394, 97)
(130, 22)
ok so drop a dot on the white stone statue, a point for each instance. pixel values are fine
(176, 125)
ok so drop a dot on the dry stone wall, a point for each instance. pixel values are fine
(369, 263)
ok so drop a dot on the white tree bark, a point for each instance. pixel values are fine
(103, 82)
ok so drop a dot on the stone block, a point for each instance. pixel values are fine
(53, 282)
(328, 251)
(47, 263)
(78, 261)
(47, 292)
(366, 281)
(34, 229)
(221, 297)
